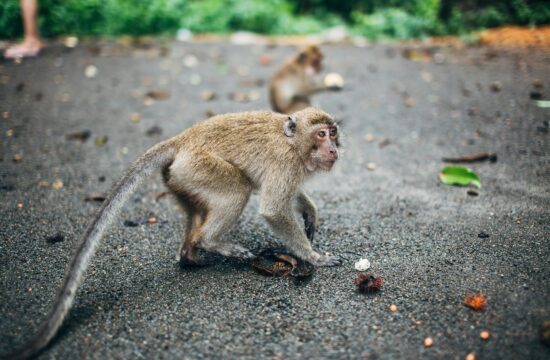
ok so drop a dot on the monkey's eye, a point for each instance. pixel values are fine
(322, 133)
(333, 132)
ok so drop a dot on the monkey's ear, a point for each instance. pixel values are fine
(290, 126)
(302, 57)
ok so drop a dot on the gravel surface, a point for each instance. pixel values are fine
(420, 236)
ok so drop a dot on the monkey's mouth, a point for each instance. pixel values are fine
(327, 164)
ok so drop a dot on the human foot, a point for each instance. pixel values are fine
(28, 48)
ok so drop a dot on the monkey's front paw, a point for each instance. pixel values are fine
(327, 260)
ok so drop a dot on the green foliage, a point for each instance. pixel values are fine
(373, 18)
(393, 22)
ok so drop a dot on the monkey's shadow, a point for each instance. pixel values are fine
(82, 313)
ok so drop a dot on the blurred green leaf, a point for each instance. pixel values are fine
(459, 175)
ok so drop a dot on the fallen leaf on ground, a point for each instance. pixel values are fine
(79, 135)
(240, 96)
(154, 130)
(96, 196)
(383, 142)
(130, 223)
(545, 332)
(272, 262)
(477, 302)
(71, 41)
(496, 86)
(458, 175)
(472, 192)
(492, 157)
(157, 95)
(208, 95)
(368, 283)
(409, 101)
(101, 140)
(417, 55)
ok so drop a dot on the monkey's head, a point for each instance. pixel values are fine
(311, 57)
(316, 134)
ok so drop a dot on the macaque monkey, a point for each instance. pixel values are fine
(211, 169)
(293, 84)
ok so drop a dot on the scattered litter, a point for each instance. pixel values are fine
(208, 95)
(492, 157)
(477, 302)
(383, 142)
(545, 332)
(535, 95)
(334, 80)
(483, 235)
(417, 55)
(409, 101)
(55, 238)
(190, 61)
(71, 41)
(157, 95)
(43, 184)
(154, 130)
(472, 192)
(101, 140)
(266, 60)
(470, 356)
(17, 157)
(152, 220)
(369, 137)
(362, 265)
(79, 135)
(485, 335)
(393, 308)
(496, 86)
(368, 283)
(428, 342)
(272, 262)
(90, 71)
(458, 175)
(135, 117)
(240, 96)
(96, 196)
(543, 103)
(371, 166)
(195, 79)
(130, 223)
(57, 184)
(20, 205)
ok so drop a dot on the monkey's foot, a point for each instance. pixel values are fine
(327, 260)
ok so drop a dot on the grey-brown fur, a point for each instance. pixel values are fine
(212, 168)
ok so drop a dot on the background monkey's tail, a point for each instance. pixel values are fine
(155, 158)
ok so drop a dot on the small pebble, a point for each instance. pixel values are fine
(57, 184)
(428, 342)
(471, 356)
(485, 335)
(393, 308)
(152, 220)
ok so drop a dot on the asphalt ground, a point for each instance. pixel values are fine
(422, 237)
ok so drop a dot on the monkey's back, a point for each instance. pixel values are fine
(244, 140)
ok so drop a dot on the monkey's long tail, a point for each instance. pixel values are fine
(157, 157)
